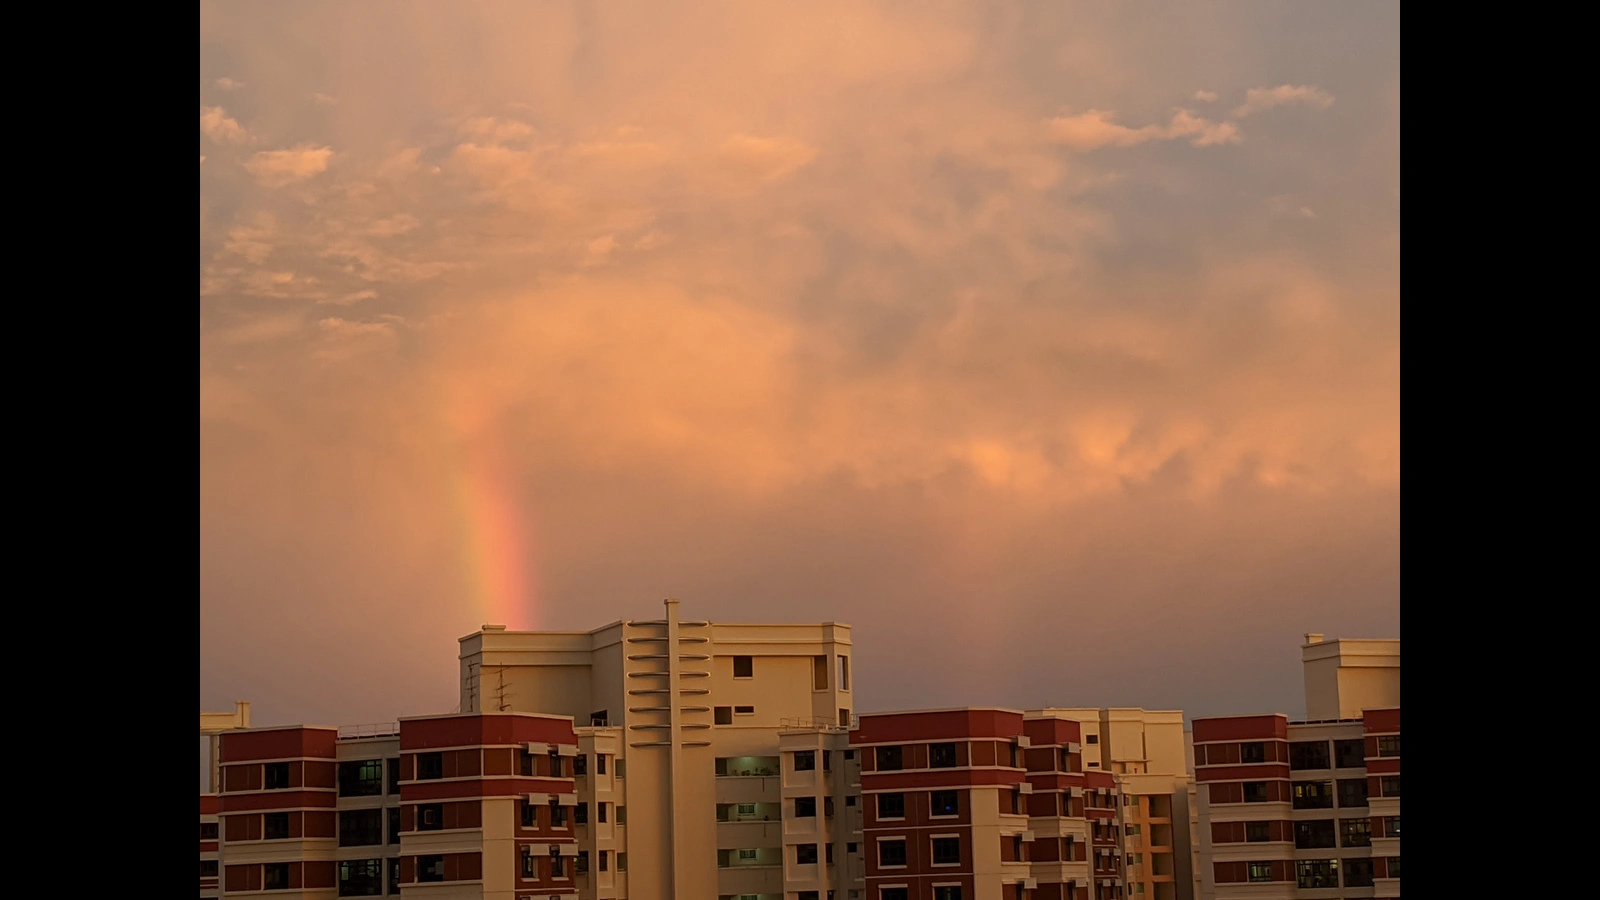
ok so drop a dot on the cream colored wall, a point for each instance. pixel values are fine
(1322, 688)
(576, 674)
(1367, 688)
(1344, 676)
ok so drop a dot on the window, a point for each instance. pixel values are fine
(1355, 832)
(1313, 834)
(891, 853)
(580, 765)
(943, 803)
(361, 779)
(394, 876)
(947, 892)
(622, 815)
(360, 827)
(208, 868)
(747, 856)
(723, 715)
(893, 894)
(1394, 826)
(1257, 832)
(851, 848)
(600, 811)
(942, 756)
(828, 857)
(276, 776)
(1317, 873)
(1390, 785)
(208, 831)
(555, 765)
(622, 861)
(1352, 793)
(525, 763)
(580, 814)
(805, 854)
(849, 754)
(891, 806)
(1092, 739)
(1389, 745)
(744, 667)
(275, 877)
(808, 895)
(621, 767)
(430, 766)
(361, 878)
(1309, 755)
(827, 760)
(744, 710)
(393, 766)
(850, 800)
(805, 807)
(558, 867)
(1252, 752)
(430, 817)
(819, 673)
(599, 719)
(605, 860)
(1255, 792)
(844, 675)
(805, 760)
(558, 816)
(1394, 867)
(393, 815)
(1350, 754)
(946, 851)
(583, 862)
(1358, 872)
(530, 815)
(1260, 871)
(275, 826)
(1313, 795)
(889, 759)
(599, 763)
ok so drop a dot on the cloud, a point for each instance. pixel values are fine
(228, 84)
(766, 159)
(1205, 96)
(1095, 129)
(324, 100)
(598, 249)
(391, 226)
(350, 299)
(488, 129)
(215, 124)
(277, 168)
(1260, 99)
(720, 291)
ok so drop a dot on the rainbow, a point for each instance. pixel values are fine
(497, 538)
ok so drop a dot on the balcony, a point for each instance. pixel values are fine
(760, 789)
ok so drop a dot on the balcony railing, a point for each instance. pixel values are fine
(380, 729)
(828, 725)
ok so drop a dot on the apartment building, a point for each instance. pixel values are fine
(699, 710)
(212, 725)
(1149, 755)
(1307, 808)
(982, 804)
(502, 805)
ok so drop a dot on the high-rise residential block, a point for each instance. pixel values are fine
(1147, 752)
(1307, 808)
(698, 708)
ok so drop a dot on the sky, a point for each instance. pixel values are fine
(1054, 347)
